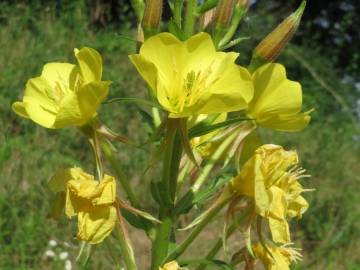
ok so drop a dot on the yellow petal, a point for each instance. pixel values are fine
(279, 230)
(19, 108)
(200, 51)
(39, 114)
(60, 75)
(59, 180)
(278, 260)
(69, 180)
(107, 187)
(278, 204)
(160, 50)
(90, 63)
(173, 265)
(146, 69)
(69, 112)
(95, 225)
(277, 101)
(289, 123)
(39, 106)
(297, 207)
(90, 97)
(231, 91)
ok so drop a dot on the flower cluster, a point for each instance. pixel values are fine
(205, 109)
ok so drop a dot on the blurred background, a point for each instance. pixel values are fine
(324, 55)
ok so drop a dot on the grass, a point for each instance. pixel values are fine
(29, 155)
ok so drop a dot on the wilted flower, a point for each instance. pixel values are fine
(91, 201)
(277, 100)
(65, 94)
(266, 178)
(191, 77)
(280, 258)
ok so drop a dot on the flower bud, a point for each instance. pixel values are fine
(207, 18)
(243, 4)
(272, 45)
(152, 15)
(224, 12)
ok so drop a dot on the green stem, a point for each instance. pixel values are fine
(125, 247)
(237, 16)
(190, 17)
(209, 4)
(138, 6)
(177, 11)
(198, 229)
(213, 160)
(171, 163)
(161, 244)
(120, 175)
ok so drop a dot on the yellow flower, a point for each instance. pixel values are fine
(91, 201)
(266, 178)
(277, 101)
(191, 77)
(281, 258)
(173, 265)
(65, 94)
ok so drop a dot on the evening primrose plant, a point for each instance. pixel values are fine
(204, 109)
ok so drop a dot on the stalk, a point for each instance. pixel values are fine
(177, 11)
(124, 242)
(238, 14)
(171, 163)
(190, 17)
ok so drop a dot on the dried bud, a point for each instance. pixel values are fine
(152, 15)
(208, 18)
(271, 46)
(224, 12)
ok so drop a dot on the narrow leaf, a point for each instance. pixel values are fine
(233, 43)
(135, 101)
(203, 128)
(218, 263)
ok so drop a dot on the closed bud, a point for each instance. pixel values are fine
(152, 15)
(272, 45)
(243, 4)
(224, 12)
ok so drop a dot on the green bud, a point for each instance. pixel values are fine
(271, 46)
(152, 16)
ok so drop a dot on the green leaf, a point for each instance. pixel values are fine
(233, 43)
(204, 128)
(217, 263)
(155, 193)
(190, 199)
(175, 30)
(133, 219)
(135, 101)
(185, 140)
